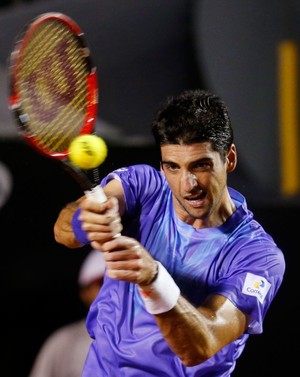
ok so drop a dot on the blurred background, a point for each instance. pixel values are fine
(245, 51)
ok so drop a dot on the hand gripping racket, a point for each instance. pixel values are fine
(54, 91)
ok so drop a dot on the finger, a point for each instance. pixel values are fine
(126, 275)
(93, 205)
(97, 245)
(113, 205)
(120, 243)
(105, 218)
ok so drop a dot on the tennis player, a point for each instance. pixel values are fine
(193, 274)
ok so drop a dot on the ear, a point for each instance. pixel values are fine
(231, 159)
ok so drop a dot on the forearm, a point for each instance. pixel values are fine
(63, 231)
(188, 333)
(194, 334)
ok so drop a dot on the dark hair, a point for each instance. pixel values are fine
(195, 116)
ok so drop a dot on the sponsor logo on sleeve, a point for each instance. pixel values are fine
(257, 286)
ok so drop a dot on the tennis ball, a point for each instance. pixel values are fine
(87, 151)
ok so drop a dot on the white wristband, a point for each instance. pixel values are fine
(161, 295)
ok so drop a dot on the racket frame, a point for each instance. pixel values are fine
(22, 118)
(14, 100)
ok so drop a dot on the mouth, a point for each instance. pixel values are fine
(196, 200)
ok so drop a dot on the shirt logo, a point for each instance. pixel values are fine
(257, 286)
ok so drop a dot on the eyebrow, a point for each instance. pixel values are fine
(201, 159)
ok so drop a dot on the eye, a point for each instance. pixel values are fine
(170, 166)
(202, 165)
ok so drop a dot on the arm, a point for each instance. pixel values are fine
(194, 334)
(63, 232)
(103, 218)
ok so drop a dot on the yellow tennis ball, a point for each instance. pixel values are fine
(87, 151)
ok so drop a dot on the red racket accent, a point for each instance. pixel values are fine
(53, 84)
(53, 91)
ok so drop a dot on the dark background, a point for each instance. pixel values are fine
(144, 51)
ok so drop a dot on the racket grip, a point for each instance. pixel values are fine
(96, 193)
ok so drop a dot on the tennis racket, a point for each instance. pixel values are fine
(53, 91)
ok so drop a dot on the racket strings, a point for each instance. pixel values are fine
(53, 85)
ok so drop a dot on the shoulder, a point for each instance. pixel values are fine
(139, 170)
(138, 178)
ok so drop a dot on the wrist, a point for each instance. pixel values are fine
(154, 274)
(162, 294)
(80, 234)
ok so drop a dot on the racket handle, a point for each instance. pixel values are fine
(96, 193)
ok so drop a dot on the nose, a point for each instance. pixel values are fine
(189, 181)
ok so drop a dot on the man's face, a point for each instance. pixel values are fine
(197, 176)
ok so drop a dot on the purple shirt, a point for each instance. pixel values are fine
(238, 260)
